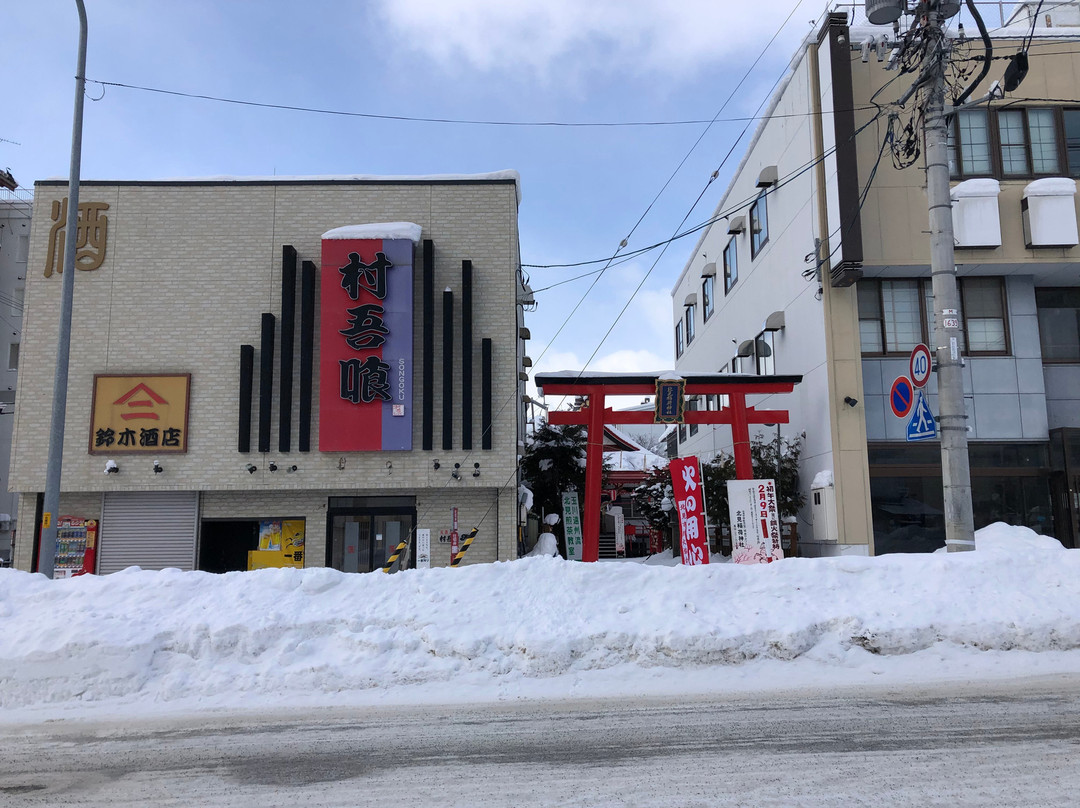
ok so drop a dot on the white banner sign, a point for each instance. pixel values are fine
(571, 515)
(755, 524)
(423, 548)
(620, 531)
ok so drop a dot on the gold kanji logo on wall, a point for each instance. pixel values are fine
(134, 414)
(91, 234)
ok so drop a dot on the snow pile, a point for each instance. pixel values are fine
(154, 640)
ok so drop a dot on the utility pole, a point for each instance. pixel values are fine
(947, 330)
(952, 417)
(51, 507)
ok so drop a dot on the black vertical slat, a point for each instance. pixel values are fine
(307, 352)
(266, 380)
(288, 343)
(247, 378)
(428, 361)
(485, 392)
(448, 370)
(466, 355)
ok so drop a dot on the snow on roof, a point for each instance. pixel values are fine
(376, 230)
(489, 176)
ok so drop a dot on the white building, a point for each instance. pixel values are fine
(817, 264)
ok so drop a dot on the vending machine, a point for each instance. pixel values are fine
(76, 540)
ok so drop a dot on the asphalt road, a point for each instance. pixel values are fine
(1003, 744)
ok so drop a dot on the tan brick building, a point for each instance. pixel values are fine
(223, 283)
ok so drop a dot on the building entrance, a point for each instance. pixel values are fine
(362, 532)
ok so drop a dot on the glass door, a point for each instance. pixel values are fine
(362, 540)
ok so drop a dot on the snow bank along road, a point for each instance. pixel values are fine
(1006, 744)
(148, 641)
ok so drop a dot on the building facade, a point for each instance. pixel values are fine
(277, 372)
(818, 263)
(15, 214)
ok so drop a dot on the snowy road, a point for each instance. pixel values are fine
(1000, 744)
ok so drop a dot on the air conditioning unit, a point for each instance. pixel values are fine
(823, 512)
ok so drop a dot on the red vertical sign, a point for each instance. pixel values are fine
(686, 483)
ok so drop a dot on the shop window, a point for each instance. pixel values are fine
(1059, 323)
(759, 225)
(731, 265)
(708, 284)
(679, 347)
(691, 326)
(1009, 483)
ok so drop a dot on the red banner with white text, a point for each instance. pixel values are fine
(689, 490)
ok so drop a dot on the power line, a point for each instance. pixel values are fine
(422, 119)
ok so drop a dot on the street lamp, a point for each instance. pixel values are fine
(667, 504)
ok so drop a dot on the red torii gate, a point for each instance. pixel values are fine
(593, 388)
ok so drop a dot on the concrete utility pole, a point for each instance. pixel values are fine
(51, 508)
(952, 417)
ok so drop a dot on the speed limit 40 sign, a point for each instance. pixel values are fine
(919, 365)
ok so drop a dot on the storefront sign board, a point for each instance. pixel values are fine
(139, 414)
(366, 350)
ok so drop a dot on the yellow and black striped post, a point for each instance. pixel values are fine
(395, 555)
(456, 560)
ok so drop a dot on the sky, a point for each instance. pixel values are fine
(584, 188)
(139, 643)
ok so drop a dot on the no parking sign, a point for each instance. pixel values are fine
(901, 396)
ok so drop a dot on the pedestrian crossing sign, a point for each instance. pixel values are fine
(922, 425)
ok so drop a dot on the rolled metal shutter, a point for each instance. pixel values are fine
(148, 529)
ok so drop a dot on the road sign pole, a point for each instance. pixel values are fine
(956, 472)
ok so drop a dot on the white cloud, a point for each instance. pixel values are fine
(562, 36)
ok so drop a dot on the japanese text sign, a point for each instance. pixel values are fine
(755, 525)
(366, 353)
(689, 490)
(139, 414)
(91, 236)
(572, 525)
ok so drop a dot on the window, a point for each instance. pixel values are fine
(896, 315)
(970, 136)
(735, 361)
(13, 356)
(707, 286)
(983, 305)
(690, 325)
(678, 339)
(1059, 323)
(1026, 145)
(1072, 140)
(759, 226)
(766, 356)
(692, 404)
(731, 265)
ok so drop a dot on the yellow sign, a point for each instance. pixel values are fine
(281, 544)
(46, 520)
(139, 414)
(91, 235)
